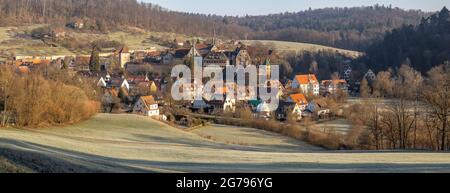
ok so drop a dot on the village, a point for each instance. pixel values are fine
(138, 81)
(147, 86)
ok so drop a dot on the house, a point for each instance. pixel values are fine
(117, 82)
(201, 105)
(147, 106)
(58, 33)
(275, 83)
(370, 75)
(347, 72)
(300, 103)
(102, 83)
(204, 49)
(216, 58)
(168, 58)
(78, 24)
(307, 83)
(82, 63)
(287, 84)
(155, 57)
(229, 105)
(109, 99)
(265, 109)
(139, 55)
(183, 52)
(226, 105)
(153, 87)
(284, 108)
(23, 69)
(242, 58)
(137, 79)
(124, 57)
(254, 104)
(318, 108)
(333, 86)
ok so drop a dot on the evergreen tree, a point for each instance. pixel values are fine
(66, 62)
(94, 63)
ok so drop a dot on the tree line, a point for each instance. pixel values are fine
(423, 46)
(404, 110)
(351, 28)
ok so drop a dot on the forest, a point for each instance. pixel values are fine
(422, 47)
(350, 28)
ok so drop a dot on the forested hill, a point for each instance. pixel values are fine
(422, 46)
(112, 14)
(350, 28)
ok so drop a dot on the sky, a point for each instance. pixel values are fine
(263, 7)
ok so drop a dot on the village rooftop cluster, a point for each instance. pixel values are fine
(139, 81)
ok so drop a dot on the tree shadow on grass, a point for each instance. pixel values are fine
(48, 159)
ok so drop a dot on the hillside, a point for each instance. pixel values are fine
(130, 143)
(287, 47)
(423, 46)
(19, 41)
(350, 28)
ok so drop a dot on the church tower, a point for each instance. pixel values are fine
(124, 56)
(268, 68)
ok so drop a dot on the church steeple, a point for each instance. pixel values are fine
(268, 67)
(214, 35)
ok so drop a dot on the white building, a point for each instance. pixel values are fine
(307, 84)
(147, 106)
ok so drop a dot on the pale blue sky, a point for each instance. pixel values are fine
(260, 7)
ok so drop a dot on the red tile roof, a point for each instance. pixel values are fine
(299, 99)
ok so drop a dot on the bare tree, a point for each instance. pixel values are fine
(437, 96)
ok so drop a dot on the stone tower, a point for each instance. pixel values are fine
(124, 57)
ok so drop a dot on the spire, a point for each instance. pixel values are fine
(214, 35)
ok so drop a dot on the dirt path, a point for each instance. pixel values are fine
(128, 143)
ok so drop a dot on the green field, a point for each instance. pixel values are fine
(131, 143)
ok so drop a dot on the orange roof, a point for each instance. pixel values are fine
(39, 61)
(17, 63)
(24, 69)
(222, 90)
(124, 91)
(306, 78)
(201, 46)
(148, 100)
(299, 98)
(113, 92)
(155, 53)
